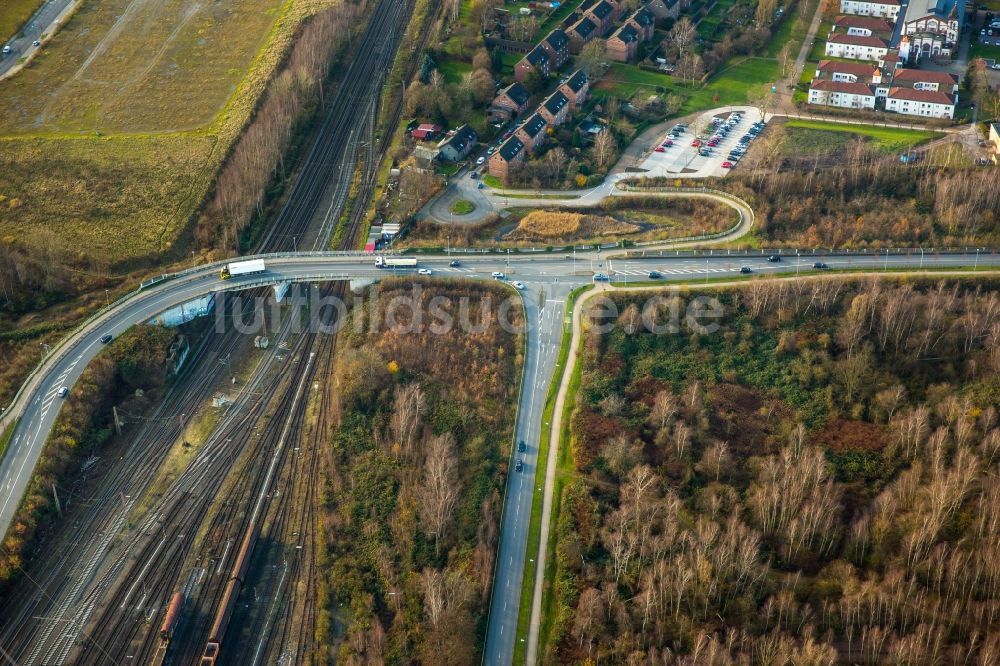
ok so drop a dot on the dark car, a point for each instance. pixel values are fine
(820, 265)
(774, 258)
(746, 269)
(105, 339)
(455, 264)
(655, 275)
(519, 467)
(522, 447)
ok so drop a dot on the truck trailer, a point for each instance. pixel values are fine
(238, 268)
(395, 262)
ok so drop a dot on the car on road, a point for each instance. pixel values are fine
(774, 258)
(424, 271)
(727, 165)
(660, 149)
(497, 275)
(455, 263)
(519, 467)
(63, 392)
(480, 160)
(820, 265)
(474, 175)
(105, 339)
(517, 285)
(521, 447)
(491, 150)
(480, 186)
(746, 269)
(7, 49)
(36, 43)
(654, 275)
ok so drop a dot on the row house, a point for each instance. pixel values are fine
(924, 103)
(532, 132)
(556, 44)
(885, 8)
(554, 109)
(664, 10)
(843, 94)
(857, 47)
(644, 23)
(603, 15)
(864, 26)
(576, 89)
(580, 33)
(537, 60)
(510, 102)
(623, 45)
(509, 153)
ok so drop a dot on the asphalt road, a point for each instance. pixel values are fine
(547, 280)
(41, 23)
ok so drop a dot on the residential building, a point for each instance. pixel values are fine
(885, 8)
(623, 45)
(509, 153)
(643, 22)
(844, 94)
(537, 60)
(890, 60)
(930, 28)
(857, 47)
(994, 139)
(602, 14)
(865, 26)
(852, 72)
(577, 90)
(556, 44)
(532, 132)
(554, 109)
(458, 145)
(925, 103)
(582, 32)
(664, 10)
(509, 102)
(921, 79)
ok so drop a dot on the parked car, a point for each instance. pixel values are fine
(660, 149)
(105, 339)
(474, 175)
(424, 271)
(727, 165)
(696, 143)
(480, 160)
(491, 150)
(746, 269)
(668, 143)
(480, 186)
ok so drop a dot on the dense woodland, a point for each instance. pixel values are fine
(815, 483)
(415, 477)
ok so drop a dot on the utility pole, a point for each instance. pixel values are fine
(118, 421)
(107, 298)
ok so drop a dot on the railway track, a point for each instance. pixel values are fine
(187, 540)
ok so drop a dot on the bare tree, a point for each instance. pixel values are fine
(440, 490)
(407, 415)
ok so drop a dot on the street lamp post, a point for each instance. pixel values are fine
(976, 265)
(921, 256)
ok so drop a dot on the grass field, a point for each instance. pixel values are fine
(730, 86)
(14, 14)
(984, 51)
(110, 138)
(454, 70)
(814, 135)
(462, 207)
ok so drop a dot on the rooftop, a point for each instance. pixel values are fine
(925, 76)
(914, 95)
(534, 125)
(510, 149)
(555, 102)
(577, 80)
(842, 87)
(857, 40)
(844, 67)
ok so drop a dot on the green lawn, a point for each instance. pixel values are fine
(788, 31)
(462, 207)
(492, 181)
(709, 26)
(889, 139)
(454, 70)
(730, 86)
(983, 51)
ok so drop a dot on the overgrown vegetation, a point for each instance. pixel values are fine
(121, 374)
(416, 472)
(813, 483)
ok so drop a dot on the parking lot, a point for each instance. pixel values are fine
(681, 158)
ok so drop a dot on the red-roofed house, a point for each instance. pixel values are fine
(426, 132)
(887, 8)
(843, 94)
(858, 47)
(926, 103)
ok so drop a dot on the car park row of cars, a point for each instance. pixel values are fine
(714, 137)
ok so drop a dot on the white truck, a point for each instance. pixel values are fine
(239, 268)
(395, 262)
